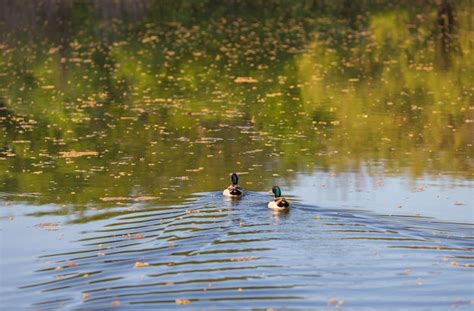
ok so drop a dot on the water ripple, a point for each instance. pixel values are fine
(215, 253)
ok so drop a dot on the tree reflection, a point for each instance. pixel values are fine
(171, 105)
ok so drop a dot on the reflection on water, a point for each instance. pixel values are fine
(121, 110)
(440, 198)
(114, 114)
(216, 253)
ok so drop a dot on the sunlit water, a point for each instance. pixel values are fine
(120, 122)
(212, 252)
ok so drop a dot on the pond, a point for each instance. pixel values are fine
(121, 122)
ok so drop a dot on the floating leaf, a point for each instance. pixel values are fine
(245, 80)
(50, 226)
(76, 154)
(183, 301)
(140, 264)
(245, 258)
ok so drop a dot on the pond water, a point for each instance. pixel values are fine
(216, 253)
(120, 125)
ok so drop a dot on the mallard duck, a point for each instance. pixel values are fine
(234, 190)
(279, 203)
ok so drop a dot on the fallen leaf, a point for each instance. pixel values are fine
(245, 80)
(145, 198)
(50, 226)
(335, 302)
(183, 301)
(140, 264)
(72, 264)
(76, 154)
(135, 199)
(238, 259)
(137, 236)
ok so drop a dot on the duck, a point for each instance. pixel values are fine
(234, 190)
(279, 203)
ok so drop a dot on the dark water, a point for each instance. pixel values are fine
(121, 120)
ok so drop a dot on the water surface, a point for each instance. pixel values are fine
(215, 253)
(120, 123)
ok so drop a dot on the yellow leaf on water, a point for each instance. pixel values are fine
(245, 80)
(195, 169)
(140, 264)
(183, 301)
(110, 199)
(76, 154)
(274, 94)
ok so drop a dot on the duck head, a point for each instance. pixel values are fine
(235, 179)
(276, 191)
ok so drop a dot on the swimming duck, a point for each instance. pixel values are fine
(234, 190)
(279, 203)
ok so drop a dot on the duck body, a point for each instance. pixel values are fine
(279, 203)
(234, 190)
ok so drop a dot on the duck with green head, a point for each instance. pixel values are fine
(234, 190)
(279, 203)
